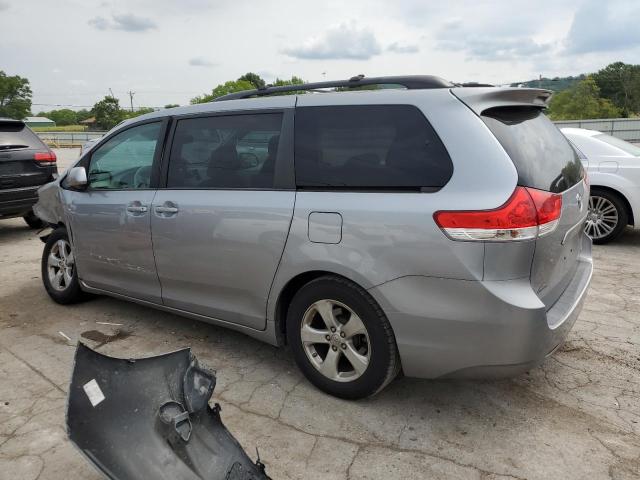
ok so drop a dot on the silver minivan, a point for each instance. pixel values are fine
(433, 229)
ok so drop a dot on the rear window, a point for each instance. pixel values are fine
(18, 135)
(368, 147)
(618, 143)
(542, 156)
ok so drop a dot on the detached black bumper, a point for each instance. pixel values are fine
(150, 419)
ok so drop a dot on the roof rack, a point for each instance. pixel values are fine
(410, 82)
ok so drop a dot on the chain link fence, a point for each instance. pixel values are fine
(68, 139)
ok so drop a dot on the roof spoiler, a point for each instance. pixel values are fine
(481, 99)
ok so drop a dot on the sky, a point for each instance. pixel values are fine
(75, 51)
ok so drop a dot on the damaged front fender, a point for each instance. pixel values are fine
(150, 419)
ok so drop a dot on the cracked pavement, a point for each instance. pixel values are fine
(577, 416)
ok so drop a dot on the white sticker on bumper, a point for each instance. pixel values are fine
(93, 391)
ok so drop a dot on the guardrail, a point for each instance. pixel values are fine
(68, 139)
(624, 128)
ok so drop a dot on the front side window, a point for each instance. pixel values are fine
(226, 152)
(125, 161)
(368, 146)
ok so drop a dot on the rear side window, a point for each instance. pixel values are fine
(18, 135)
(368, 146)
(542, 156)
(618, 143)
(225, 152)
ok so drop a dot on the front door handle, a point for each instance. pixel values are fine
(135, 207)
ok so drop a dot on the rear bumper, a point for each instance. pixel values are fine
(16, 202)
(472, 329)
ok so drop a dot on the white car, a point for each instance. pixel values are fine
(613, 166)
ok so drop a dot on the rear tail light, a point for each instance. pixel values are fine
(529, 213)
(46, 158)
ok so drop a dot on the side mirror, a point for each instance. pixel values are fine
(77, 178)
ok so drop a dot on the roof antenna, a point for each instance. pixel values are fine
(357, 78)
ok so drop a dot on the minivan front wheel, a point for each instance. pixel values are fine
(58, 266)
(341, 339)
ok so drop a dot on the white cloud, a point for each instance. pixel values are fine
(396, 47)
(604, 26)
(478, 42)
(344, 41)
(127, 22)
(201, 62)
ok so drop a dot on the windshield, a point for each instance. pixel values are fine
(618, 143)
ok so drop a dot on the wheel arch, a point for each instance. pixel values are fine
(627, 204)
(288, 291)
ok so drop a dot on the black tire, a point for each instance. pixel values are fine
(33, 221)
(621, 210)
(71, 293)
(383, 363)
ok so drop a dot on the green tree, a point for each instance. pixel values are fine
(108, 113)
(620, 83)
(254, 79)
(15, 96)
(83, 114)
(223, 89)
(137, 113)
(288, 81)
(282, 82)
(582, 101)
(171, 105)
(63, 117)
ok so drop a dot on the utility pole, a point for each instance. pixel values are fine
(111, 92)
(131, 94)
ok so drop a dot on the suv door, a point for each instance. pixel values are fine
(110, 220)
(220, 225)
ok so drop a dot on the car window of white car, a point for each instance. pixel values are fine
(619, 143)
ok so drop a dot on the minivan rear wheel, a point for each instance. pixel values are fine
(59, 273)
(607, 217)
(341, 339)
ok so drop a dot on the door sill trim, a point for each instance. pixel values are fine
(177, 311)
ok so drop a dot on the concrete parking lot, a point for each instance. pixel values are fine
(575, 417)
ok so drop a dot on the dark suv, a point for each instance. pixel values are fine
(26, 163)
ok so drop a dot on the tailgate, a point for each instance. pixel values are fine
(546, 161)
(556, 255)
(19, 169)
(18, 147)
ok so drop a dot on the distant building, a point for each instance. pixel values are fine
(90, 123)
(39, 122)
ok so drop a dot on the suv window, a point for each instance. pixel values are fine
(16, 135)
(540, 152)
(229, 151)
(125, 161)
(368, 146)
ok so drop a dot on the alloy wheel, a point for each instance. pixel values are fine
(602, 218)
(335, 340)
(60, 265)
